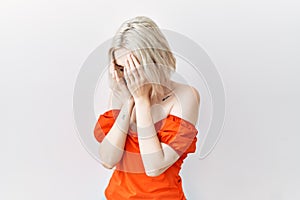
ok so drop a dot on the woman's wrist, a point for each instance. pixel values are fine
(123, 118)
(142, 100)
(130, 103)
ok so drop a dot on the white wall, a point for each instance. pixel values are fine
(253, 44)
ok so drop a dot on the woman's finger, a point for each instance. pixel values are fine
(113, 74)
(129, 74)
(131, 64)
(135, 61)
(139, 67)
(133, 68)
(111, 68)
(142, 73)
(116, 75)
(126, 74)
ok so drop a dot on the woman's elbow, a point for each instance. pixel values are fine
(105, 161)
(107, 166)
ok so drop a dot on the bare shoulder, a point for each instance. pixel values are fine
(187, 103)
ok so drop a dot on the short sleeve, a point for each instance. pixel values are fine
(178, 134)
(104, 124)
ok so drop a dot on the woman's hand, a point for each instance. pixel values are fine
(121, 90)
(137, 83)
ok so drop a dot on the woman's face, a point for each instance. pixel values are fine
(120, 59)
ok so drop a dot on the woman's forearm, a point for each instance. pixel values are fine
(112, 147)
(154, 155)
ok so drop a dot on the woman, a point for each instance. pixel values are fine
(149, 127)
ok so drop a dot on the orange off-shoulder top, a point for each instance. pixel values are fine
(129, 180)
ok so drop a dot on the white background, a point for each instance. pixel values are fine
(254, 45)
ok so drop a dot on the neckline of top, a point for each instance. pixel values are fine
(174, 117)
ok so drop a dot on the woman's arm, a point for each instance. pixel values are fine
(156, 156)
(112, 147)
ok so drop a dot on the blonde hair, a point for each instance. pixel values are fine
(141, 36)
